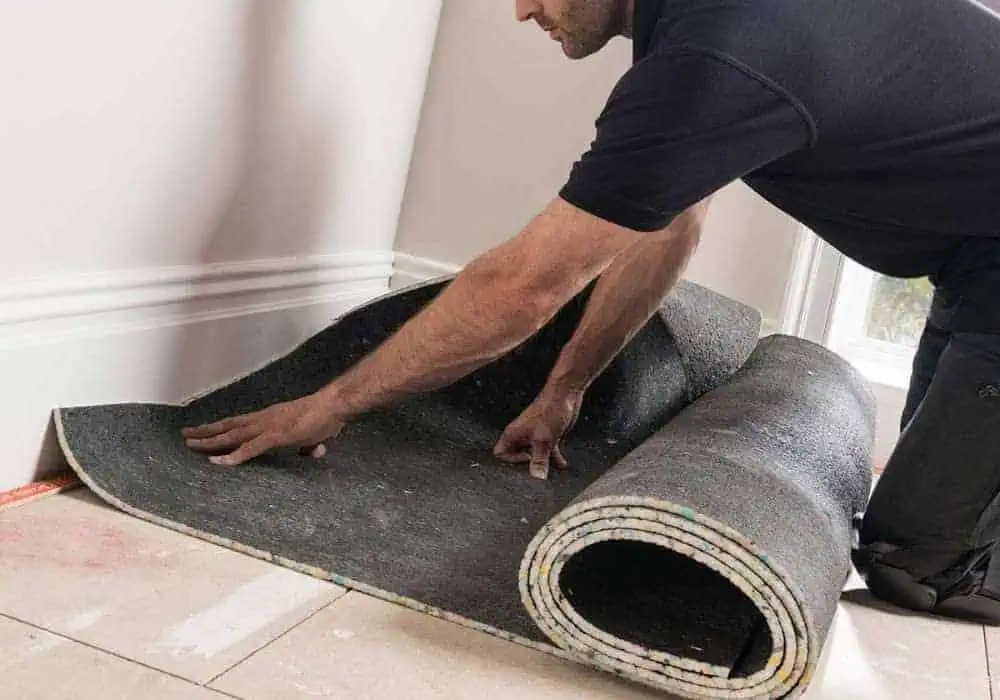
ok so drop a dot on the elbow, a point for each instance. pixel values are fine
(690, 238)
(683, 236)
(694, 221)
(523, 298)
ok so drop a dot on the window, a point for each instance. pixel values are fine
(898, 310)
(872, 320)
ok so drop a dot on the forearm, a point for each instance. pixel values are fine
(628, 293)
(476, 319)
(498, 301)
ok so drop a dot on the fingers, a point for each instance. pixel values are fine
(314, 451)
(243, 440)
(510, 449)
(515, 457)
(540, 453)
(212, 429)
(558, 458)
(317, 450)
(225, 441)
(300, 423)
(247, 451)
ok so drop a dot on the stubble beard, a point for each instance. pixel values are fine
(588, 25)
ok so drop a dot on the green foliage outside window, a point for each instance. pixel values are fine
(898, 309)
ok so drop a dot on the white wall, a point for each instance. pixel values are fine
(506, 115)
(747, 251)
(188, 187)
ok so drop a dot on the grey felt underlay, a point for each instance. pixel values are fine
(781, 453)
(410, 501)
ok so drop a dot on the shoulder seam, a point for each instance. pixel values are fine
(771, 85)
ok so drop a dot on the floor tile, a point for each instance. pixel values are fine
(992, 635)
(876, 652)
(361, 647)
(36, 665)
(77, 567)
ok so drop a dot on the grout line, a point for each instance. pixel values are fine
(989, 673)
(265, 645)
(115, 654)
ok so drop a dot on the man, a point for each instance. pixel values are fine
(874, 122)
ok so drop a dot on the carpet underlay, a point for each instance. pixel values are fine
(697, 544)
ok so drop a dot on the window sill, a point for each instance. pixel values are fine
(881, 362)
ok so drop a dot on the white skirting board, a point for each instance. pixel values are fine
(165, 333)
(410, 269)
(156, 335)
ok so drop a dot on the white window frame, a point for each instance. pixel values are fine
(826, 301)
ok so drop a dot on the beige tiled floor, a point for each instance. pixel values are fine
(96, 604)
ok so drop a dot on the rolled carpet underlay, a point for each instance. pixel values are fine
(756, 485)
(697, 544)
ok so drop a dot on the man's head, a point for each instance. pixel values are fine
(582, 27)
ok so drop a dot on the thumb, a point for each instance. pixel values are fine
(315, 451)
(540, 452)
(315, 445)
(557, 457)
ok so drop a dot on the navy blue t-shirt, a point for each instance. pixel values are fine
(876, 123)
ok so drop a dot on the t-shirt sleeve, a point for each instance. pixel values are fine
(679, 125)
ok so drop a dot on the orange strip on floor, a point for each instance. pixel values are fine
(38, 489)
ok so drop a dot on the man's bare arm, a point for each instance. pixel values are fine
(626, 296)
(629, 291)
(499, 300)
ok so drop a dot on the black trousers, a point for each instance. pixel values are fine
(938, 499)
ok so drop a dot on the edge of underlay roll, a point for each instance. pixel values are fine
(578, 532)
(679, 529)
(661, 535)
(683, 671)
(671, 676)
(666, 676)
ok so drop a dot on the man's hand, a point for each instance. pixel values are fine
(304, 423)
(494, 304)
(498, 301)
(534, 436)
(627, 294)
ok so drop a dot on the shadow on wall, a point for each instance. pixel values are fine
(280, 192)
